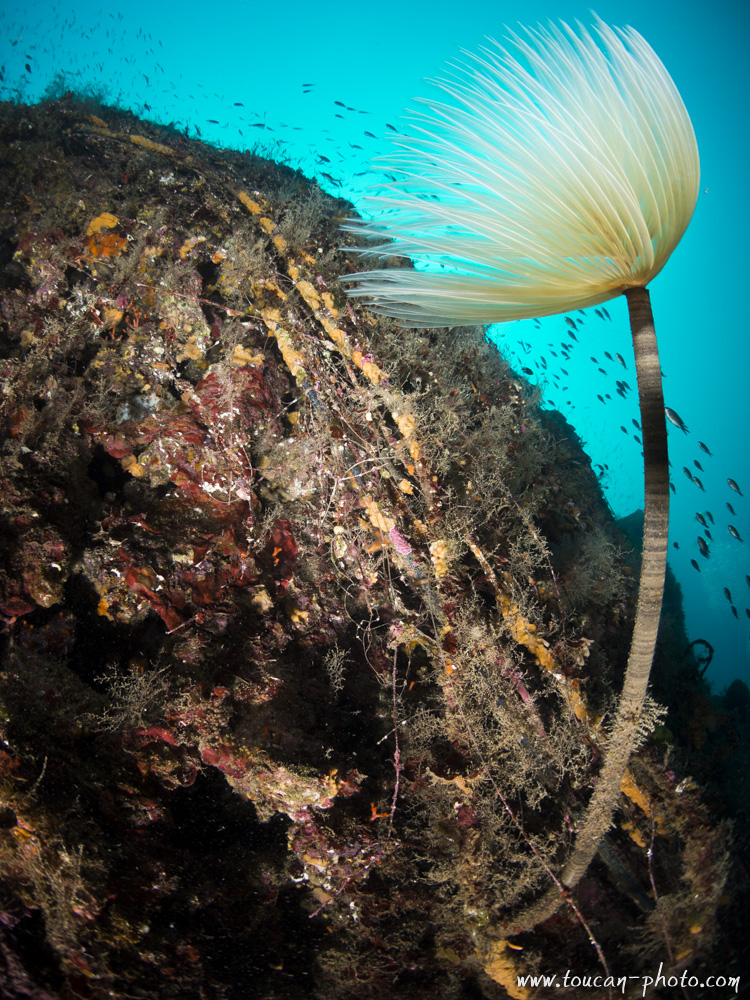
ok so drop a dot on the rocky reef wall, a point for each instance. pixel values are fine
(313, 625)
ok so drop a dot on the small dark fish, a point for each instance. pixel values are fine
(701, 520)
(636, 438)
(697, 464)
(702, 546)
(619, 357)
(688, 473)
(730, 508)
(600, 398)
(391, 127)
(695, 565)
(747, 579)
(623, 429)
(675, 419)
(594, 360)
(747, 612)
(734, 612)
(728, 594)
(527, 371)
(708, 534)
(636, 423)
(699, 484)
(676, 545)
(599, 313)
(606, 314)
(734, 533)
(735, 487)
(571, 322)
(370, 135)
(710, 516)
(704, 447)
(672, 487)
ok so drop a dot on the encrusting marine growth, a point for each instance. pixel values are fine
(564, 174)
(301, 695)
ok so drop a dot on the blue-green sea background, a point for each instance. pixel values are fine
(305, 81)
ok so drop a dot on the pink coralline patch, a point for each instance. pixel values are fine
(466, 815)
(279, 555)
(271, 787)
(400, 544)
(255, 692)
(157, 753)
(340, 864)
(183, 573)
(197, 737)
(234, 767)
(144, 736)
(200, 444)
(12, 608)
(143, 581)
(40, 567)
(244, 399)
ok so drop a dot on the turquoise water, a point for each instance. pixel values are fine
(308, 82)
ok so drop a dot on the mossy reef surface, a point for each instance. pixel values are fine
(313, 625)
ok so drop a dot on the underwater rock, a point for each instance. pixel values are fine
(313, 624)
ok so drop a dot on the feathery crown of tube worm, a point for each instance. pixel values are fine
(563, 172)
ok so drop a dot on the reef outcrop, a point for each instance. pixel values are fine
(313, 625)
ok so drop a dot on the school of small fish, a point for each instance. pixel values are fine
(554, 381)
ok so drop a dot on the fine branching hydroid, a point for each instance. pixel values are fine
(564, 172)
